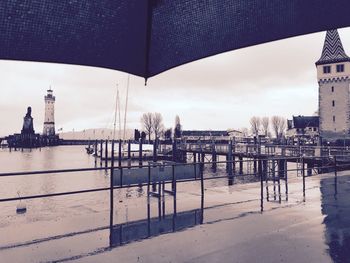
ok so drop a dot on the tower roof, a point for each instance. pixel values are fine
(333, 50)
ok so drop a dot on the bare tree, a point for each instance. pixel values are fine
(178, 127)
(283, 125)
(245, 132)
(147, 123)
(275, 122)
(255, 123)
(278, 125)
(158, 126)
(265, 125)
(168, 134)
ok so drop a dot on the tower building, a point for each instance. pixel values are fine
(333, 74)
(49, 121)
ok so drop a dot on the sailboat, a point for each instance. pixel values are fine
(147, 150)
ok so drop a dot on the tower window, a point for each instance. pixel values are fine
(332, 89)
(333, 118)
(326, 69)
(340, 68)
(333, 103)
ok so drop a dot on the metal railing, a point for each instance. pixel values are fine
(268, 149)
(268, 170)
(332, 164)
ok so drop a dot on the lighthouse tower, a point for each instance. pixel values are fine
(49, 121)
(333, 74)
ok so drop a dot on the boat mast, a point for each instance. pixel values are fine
(126, 105)
(115, 114)
(120, 124)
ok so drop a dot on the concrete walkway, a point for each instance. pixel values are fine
(233, 228)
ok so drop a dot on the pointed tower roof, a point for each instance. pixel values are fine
(333, 50)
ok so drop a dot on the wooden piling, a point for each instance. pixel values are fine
(213, 157)
(163, 198)
(140, 153)
(129, 149)
(285, 168)
(155, 150)
(95, 152)
(120, 155)
(255, 165)
(281, 166)
(202, 177)
(106, 153)
(279, 189)
(303, 174)
(274, 178)
(229, 164)
(286, 180)
(149, 180)
(309, 168)
(240, 158)
(101, 151)
(260, 168)
(261, 193)
(266, 185)
(159, 200)
(174, 151)
(195, 165)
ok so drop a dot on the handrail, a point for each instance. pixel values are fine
(169, 164)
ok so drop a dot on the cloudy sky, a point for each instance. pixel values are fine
(219, 92)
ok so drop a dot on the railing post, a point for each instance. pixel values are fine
(140, 153)
(95, 153)
(195, 165)
(174, 187)
(101, 152)
(106, 154)
(202, 180)
(286, 179)
(261, 193)
(230, 163)
(303, 174)
(149, 179)
(111, 197)
(121, 176)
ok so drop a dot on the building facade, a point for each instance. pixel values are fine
(333, 74)
(303, 129)
(205, 135)
(49, 121)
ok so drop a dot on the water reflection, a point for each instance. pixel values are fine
(336, 208)
(154, 226)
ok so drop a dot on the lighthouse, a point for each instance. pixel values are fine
(49, 121)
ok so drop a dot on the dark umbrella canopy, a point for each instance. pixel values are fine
(147, 37)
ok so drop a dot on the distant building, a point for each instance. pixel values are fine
(306, 127)
(205, 135)
(235, 133)
(49, 120)
(333, 74)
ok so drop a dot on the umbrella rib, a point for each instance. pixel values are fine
(148, 38)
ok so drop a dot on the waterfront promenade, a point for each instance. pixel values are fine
(232, 227)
